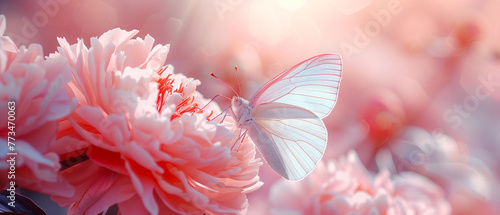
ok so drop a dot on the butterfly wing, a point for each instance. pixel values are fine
(312, 85)
(291, 139)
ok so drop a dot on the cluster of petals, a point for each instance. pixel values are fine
(344, 186)
(139, 138)
(32, 94)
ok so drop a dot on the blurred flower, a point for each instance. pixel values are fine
(34, 88)
(139, 138)
(9, 49)
(383, 114)
(467, 181)
(344, 186)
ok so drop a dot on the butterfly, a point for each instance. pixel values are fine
(284, 117)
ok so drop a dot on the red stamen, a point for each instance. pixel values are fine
(166, 88)
(209, 115)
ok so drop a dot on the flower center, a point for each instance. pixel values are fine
(166, 88)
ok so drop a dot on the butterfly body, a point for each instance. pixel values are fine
(241, 112)
(284, 117)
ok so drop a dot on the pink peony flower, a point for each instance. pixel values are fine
(33, 90)
(344, 186)
(139, 139)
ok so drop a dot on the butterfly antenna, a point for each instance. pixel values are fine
(213, 75)
(213, 99)
(237, 79)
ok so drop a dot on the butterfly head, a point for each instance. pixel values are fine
(238, 103)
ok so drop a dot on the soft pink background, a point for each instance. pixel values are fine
(408, 67)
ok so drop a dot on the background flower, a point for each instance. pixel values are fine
(468, 182)
(36, 86)
(344, 186)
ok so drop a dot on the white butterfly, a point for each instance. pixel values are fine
(284, 117)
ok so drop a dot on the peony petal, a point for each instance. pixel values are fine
(2, 24)
(117, 36)
(120, 191)
(144, 187)
(133, 206)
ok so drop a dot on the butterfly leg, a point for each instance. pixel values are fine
(223, 118)
(225, 114)
(231, 109)
(244, 135)
(224, 111)
(240, 137)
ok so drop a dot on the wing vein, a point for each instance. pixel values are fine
(273, 133)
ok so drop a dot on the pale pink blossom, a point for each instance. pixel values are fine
(344, 186)
(33, 90)
(139, 138)
(468, 182)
